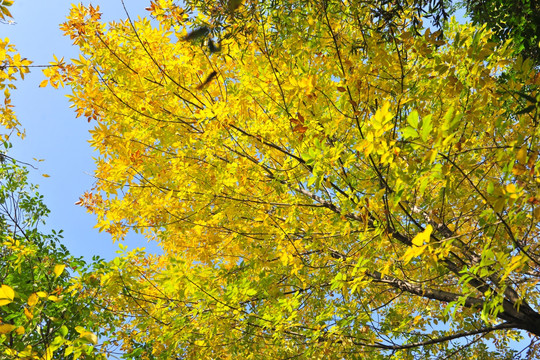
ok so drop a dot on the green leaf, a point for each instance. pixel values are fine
(409, 133)
(63, 330)
(413, 119)
(427, 126)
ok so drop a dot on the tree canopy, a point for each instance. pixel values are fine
(324, 183)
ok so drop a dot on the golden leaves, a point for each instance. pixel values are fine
(521, 155)
(525, 161)
(419, 244)
(59, 269)
(6, 328)
(11, 65)
(28, 314)
(296, 166)
(33, 300)
(6, 295)
(4, 11)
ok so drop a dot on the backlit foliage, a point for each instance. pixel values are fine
(324, 183)
(11, 66)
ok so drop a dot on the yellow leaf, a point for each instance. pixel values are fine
(53, 298)
(511, 188)
(413, 251)
(6, 328)
(522, 155)
(41, 294)
(43, 83)
(26, 353)
(59, 269)
(20, 330)
(6, 295)
(32, 300)
(418, 246)
(68, 351)
(89, 337)
(536, 213)
(28, 314)
(48, 354)
(80, 329)
(382, 116)
(423, 237)
(46, 175)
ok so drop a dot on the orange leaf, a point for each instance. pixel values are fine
(299, 128)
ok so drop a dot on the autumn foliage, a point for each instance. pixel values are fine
(325, 182)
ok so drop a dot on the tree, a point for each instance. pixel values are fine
(42, 311)
(323, 182)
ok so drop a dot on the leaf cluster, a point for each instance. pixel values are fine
(42, 313)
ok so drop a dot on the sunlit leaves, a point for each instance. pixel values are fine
(6, 295)
(87, 336)
(11, 66)
(59, 269)
(322, 183)
(419, 244)
(4, 11)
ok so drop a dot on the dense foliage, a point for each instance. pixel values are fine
(324, 182)
(518, 20)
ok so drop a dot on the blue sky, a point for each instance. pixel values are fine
(53, 132)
